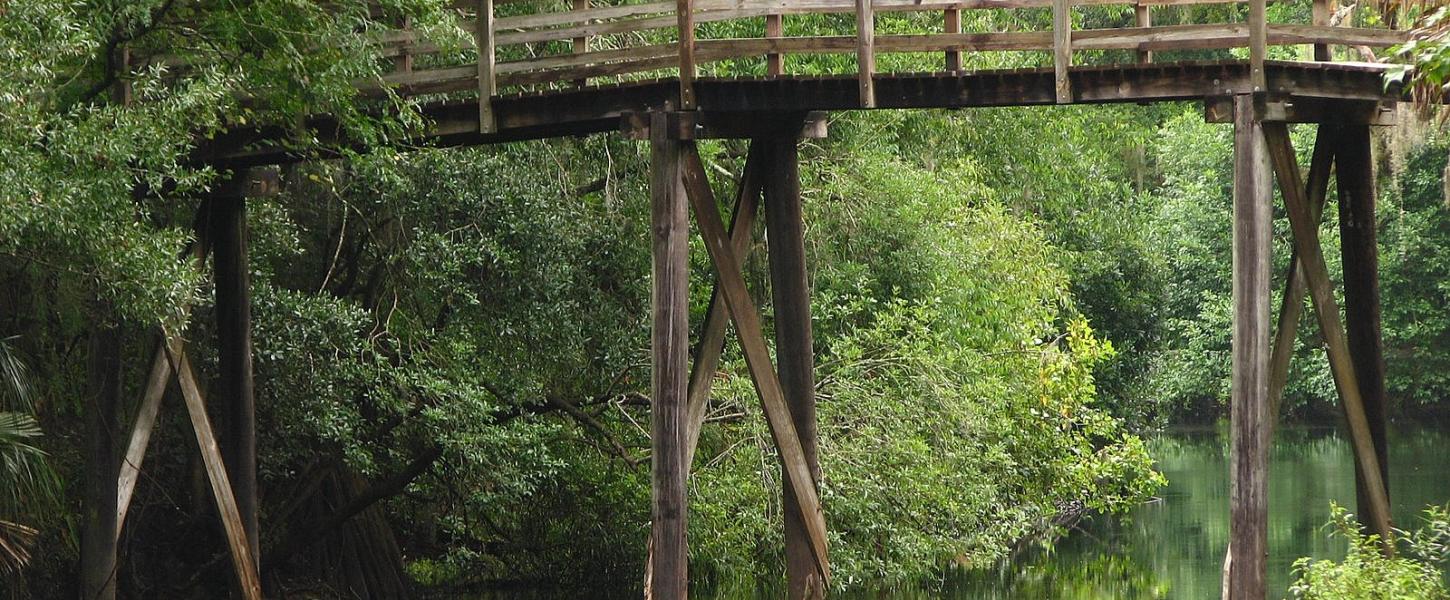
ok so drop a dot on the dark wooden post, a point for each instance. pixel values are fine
(234, 350)
(98, 536)
(1361, 290)
(790, 290)
(669, 350)
(1248, 451)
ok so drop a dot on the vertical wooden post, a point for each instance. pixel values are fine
(669, 348)
(790, 290)
(1322, 11)
(685, 17)
(581, 43)
(1062, 48)
(866, 52)
(98, 535)
(1360, 257)
(234, 355)
(1258, 44)
(487, 84)
(952, 24)
(1144, 14)
(1248, 451)
(774, 29)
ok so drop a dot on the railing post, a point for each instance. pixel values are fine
(1144, 14)
(952, 25)
(1258, 44)
(487, 85)
(581, 43)
(1322, 11)
(1062, 48)
(774, 29)
(686, 21)
(866, 52)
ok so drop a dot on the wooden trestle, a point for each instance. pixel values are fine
(582, 93)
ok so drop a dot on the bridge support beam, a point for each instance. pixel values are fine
(1249, 406)
(790, 289)
(667, 575)
(1360, 256)
(228, 224)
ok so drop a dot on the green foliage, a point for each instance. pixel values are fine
(28, 486)
(1366, 573)
(955, 417)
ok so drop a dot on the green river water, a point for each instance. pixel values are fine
(1173, 547)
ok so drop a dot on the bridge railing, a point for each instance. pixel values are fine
(521, 47)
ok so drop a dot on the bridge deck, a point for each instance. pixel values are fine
(594, 109)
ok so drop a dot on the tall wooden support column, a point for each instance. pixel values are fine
(1361, 291)
(1248, 451)
(790, 290)
(98, 535)
(234, 353)
(669, 353)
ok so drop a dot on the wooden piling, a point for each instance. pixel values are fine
(669, 348)
(790, 290)
(235, 389)
(98, 533)
(1248, 451)
(1360, 256)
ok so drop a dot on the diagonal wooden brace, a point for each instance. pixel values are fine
(757, 354)
(717, 317)
(211, 456)
(141, 434)
(150, 407)
(1292, 308)
(1316, 273)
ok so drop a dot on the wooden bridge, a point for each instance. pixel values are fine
(676, 71)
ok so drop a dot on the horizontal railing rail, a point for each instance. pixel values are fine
(524, 50)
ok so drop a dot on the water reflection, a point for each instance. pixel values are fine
(1173, 547)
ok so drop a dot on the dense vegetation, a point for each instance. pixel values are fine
(460, 336)
(1415, 573)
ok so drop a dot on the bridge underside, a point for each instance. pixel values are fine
(1345, 99)
(590, 110)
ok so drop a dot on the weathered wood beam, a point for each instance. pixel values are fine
(1320, 16)
(1062, 48)
(1258, 44)
(1144, 15)
(757, 354)
(951, 25)
(700, 125)
(1291, 308)
(98, 539)
(140, 437)
(235, 386)
(1316, 273)
(1248, 446)
(866, 53)
(1306, 110)
(484, 39)
(774, 29)
(795, 362)
(717, 316)
(669, 356)
(243, 562)
(685, 27)
(1360, 256)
